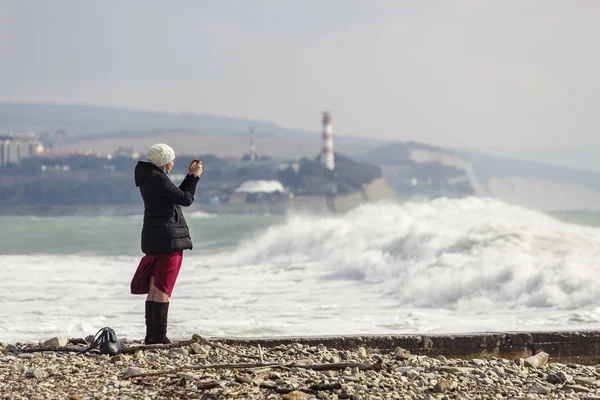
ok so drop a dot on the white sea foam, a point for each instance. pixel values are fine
(472, 253)
(442, 266)
(199, 214)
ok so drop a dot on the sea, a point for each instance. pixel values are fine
(431, 267)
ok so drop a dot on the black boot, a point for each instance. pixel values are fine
(160, 314)
(149, 339)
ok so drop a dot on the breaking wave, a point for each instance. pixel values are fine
(472, 253)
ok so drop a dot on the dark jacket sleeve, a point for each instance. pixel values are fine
(182, 195)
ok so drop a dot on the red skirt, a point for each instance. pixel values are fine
(164, 268)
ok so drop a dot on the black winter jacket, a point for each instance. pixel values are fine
(165, 230)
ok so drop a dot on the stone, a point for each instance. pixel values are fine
(296, 395)
(362, 354)
(456, 370)
(11, 348)
(36, 373)
(412, 373)
(587, 381)
(186, 375)
(177, 352)
(400, 354)
(559, 378)
(28, 356)
(479, 362)
(58, 341)
(346, 392)
(577, 388)
(404, 370)
(539, 360)
(268, 384)
(520, 362)
(19, 366)
(152, 358)
(442, 386)
(538, 390)
(133, 371)
(196, 348)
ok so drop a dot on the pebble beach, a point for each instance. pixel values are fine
(203, 369)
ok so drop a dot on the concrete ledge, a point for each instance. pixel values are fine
(581, 347)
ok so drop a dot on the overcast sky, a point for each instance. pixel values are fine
(456, 72)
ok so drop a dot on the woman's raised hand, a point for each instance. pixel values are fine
(195, 168)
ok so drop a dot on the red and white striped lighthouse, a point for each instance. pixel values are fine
(327, 158)
(252, 146)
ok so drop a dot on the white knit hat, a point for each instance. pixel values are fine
(160, 154)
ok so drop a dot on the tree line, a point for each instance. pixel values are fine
(98, 180)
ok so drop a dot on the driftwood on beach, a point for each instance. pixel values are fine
(195, 339)
(133, 349)
(316, 367)
(198, 368)
(81, 349)
(251, 368)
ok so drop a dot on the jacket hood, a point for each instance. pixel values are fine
(143, 170)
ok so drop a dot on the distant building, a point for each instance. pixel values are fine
(68, 152)
(270, 163)
(125, 152)
(14, 148)
(258, 191)
(262, 186)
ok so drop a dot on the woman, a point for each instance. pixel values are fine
(165, 234)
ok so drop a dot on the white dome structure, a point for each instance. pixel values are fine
(260, 187)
